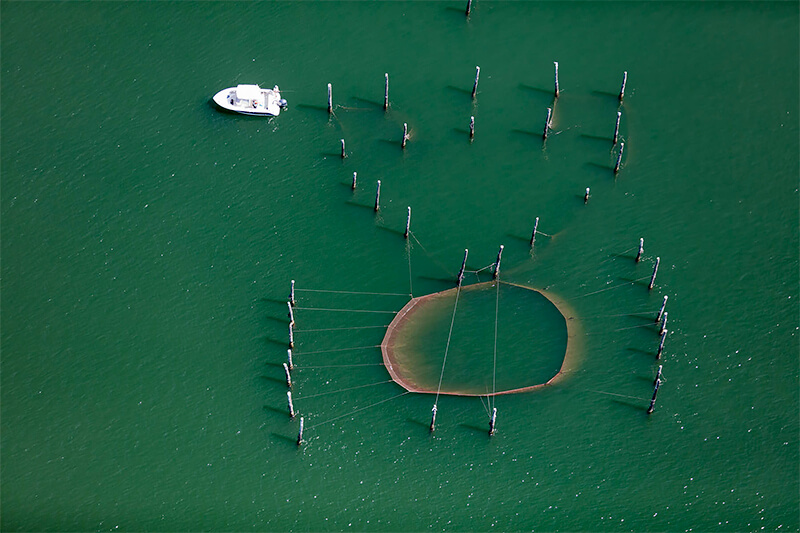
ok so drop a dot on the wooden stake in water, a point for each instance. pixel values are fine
(291, 336)
(658, 375)
(653, 401)
(586, 196)
(616, 128)
(330, 99)
(492, 421)
(661, 344)
(619, 157)
(547, 123)
(641, 250)
(463, 266)
(663, 327)
(344, 153)
(661, 311)
(433, 418)
(289, 362)
(497, 263)
(291, 312)
(288, 375)
(475, 86)
(408, 223)
(471, 127)
(556, 65)
(653, 277)
(533, 233)
(622, 89)
(300, 433)
(386, 92)
(355, 175)
(378, 197)
(405, 135)
(469, 7)
(291, 295)
(291, 405)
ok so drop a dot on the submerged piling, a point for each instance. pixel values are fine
(653, 401)
(300, 433)
(586, 196)
(497, 263)
(556, 91)
(463, 266)
(433, 418)
(622, 89)
(653, 277)
(378, 197)
(475, 86)
(533, 233)
(330, 99)
(661, 311)
(386, 92)
(547, 123)
(619, 157)
(408, 223)
(661, 344)
(405, 135)
(344, 153)
(616, 128)
(291, 295)
(288, 375)
(492, 421)
(291, 405)
(471, 127)
(355, 175)
(641, 249)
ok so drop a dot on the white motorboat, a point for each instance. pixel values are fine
(251, 100)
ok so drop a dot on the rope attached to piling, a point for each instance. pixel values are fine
(343, 390)
(447, 346)
(359, 409)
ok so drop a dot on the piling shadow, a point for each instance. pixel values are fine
(321, 109)
(282, 344)
(529, 133)
(648, 353)
(415, 422)
(372, 103)
(630, 405)
(634, 282)
(356, 204)
(519, 238)
(596, 138)
(274, 380)
(449, 281)
(331, 155)
(615, 96)
(462, 131)
(461, 90)
(279, 319)
(475, 429)
(276, 365)
(392, 230)
(272, 300)
(646, 318)
(283, 412)
(285, 439)
(539, 90)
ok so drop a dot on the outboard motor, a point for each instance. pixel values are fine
(283, 104)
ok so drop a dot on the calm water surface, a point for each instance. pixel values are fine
(148, 241)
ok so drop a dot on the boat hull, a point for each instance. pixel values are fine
(265, 105)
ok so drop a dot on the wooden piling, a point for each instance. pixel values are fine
(353, 186)
(475, 86)
(378, 197)
(653, 277)
(344, 153)
(433, 418)
(586, 196)
(533, 233)
(497, 263)
(291, 312)
(291, 336)
(492, 421)
(653, 401)
(386, 92)
(661, 311)
(463, 266)
(471, 127)
(289, 362)
(405, 135)
(619, 157)
(408, 223)
(300, 433)
(641, 249)
(547, 122)
(622, 89)
(556, 91)
(661, 344)
(288, 375)
(469, 7)
(658, 375)
(291, 405)
(616, 128)
(330, 99)
(291, 295)
(663, 327)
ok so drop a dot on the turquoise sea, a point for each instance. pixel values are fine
(148, 242)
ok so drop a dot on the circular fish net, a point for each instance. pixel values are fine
(503, 338)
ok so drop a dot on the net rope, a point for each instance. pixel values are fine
(447, 346)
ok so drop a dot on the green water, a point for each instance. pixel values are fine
(148, 241)
(501, 337)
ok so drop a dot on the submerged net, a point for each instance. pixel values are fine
(504, 338)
